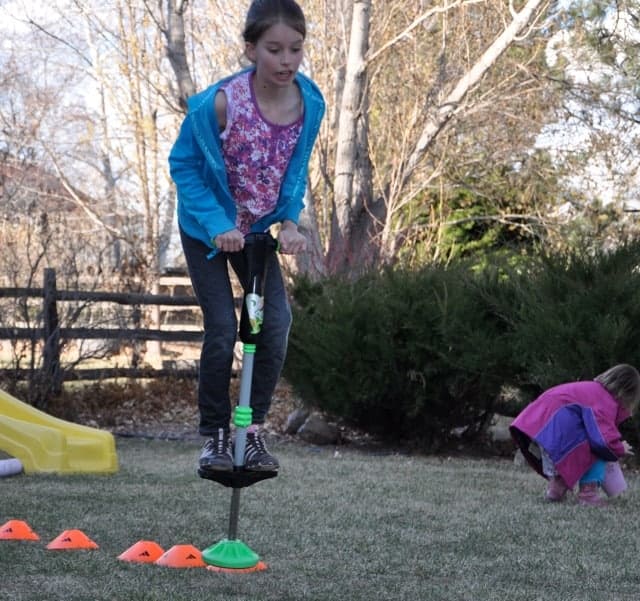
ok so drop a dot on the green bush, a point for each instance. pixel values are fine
(415, 354)
(576, 314)
(405, 355)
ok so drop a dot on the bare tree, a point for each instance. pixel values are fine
(421, 99)
(364, 229)
(352, 182)
(173, 29)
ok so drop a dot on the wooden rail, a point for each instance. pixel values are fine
(52, 335)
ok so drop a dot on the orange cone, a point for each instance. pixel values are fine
(143, 551)
(261, 566)
(181, 556)
(17, 530)
(72, 539)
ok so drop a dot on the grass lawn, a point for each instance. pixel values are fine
(332, 527)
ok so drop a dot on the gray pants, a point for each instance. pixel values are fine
(212, 287)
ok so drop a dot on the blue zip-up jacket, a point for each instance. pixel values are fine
(206, 206)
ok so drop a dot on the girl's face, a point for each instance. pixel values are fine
(277, 54)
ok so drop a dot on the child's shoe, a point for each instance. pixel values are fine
(216, 454)
(256, 456)
(556, 490)
(589, 495)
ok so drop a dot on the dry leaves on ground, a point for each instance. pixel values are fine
(156, 408)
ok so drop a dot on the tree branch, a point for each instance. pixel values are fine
(421, 19)
(452, 103)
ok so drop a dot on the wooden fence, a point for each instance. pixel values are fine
(51, 335)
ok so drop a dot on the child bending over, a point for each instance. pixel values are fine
(570, 434)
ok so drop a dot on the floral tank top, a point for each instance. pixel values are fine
(256, 153)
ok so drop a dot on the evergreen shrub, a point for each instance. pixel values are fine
(409, 355)
(577, 313)
(415, 354)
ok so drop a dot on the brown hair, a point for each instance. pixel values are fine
(263, 14)
(623, 382)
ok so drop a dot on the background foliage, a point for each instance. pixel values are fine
(417, 354)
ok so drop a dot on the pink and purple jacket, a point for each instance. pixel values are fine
(576, 424)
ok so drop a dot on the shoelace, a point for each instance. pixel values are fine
(255, 445)
(219, 442)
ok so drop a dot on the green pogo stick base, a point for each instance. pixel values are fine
(230, 554)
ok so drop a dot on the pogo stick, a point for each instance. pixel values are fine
(231, 553)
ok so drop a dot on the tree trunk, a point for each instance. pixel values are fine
(350, 245)
(177, 51)
(310, 263)
(358, 220)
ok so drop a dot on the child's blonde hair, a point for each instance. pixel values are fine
(623, 382)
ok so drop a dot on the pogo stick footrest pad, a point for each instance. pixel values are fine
(237, 478)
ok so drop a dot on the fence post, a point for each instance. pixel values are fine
(136, 356)
(51, 381)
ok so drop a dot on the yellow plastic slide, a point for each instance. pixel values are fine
(46, 444)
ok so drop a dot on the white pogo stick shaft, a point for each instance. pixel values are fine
(244, 401)
(246, 377)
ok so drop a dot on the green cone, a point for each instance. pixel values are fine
(230, 554)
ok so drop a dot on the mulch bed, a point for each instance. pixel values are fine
(167, 409)
(162, 408)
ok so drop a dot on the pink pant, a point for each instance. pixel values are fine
(614, 483)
